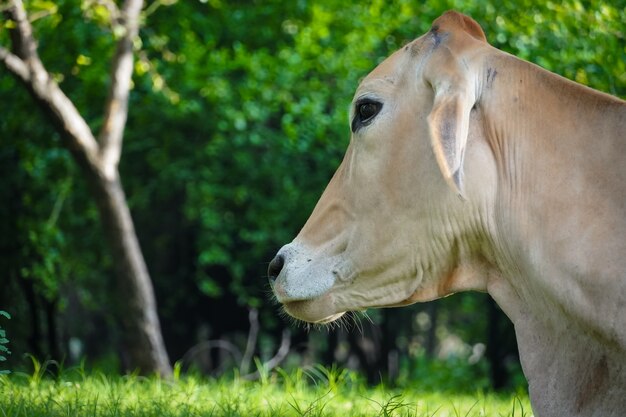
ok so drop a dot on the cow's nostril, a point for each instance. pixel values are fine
(275, 267)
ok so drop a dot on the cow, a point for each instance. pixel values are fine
(471, 169)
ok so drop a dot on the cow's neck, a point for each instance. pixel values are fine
(558, 149)
(570, 373)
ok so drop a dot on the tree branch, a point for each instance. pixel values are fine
(116, 107)
(24, 63)
(280, 355)
(253, 335)
(15, 65)
(24, 45)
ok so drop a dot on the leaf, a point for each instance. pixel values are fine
(83, 60)
(5, 314)
(48, 6)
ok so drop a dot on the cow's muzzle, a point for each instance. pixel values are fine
(302, 282)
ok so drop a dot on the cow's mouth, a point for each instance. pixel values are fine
(312, 311)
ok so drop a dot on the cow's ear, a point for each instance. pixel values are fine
(448, 121)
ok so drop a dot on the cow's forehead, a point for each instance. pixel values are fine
(392, 70)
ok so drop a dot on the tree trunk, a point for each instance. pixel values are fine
(136, 304)
(98, 160)
(50, 307)
(34, 337)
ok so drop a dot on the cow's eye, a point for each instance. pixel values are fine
(366, 110)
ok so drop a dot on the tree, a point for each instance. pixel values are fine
(98, 160)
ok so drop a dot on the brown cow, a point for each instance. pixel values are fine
(470, 169)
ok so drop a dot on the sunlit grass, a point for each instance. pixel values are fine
(315, 392)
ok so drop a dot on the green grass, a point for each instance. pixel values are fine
(316, 392)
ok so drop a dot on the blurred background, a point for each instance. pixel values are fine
(238, 117)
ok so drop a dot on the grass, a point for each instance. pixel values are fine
(312, 393)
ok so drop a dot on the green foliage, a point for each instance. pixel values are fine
(4, 350)
(238, 118)
(451, 375)
(77, 393)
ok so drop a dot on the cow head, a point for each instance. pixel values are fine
(397, 223)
